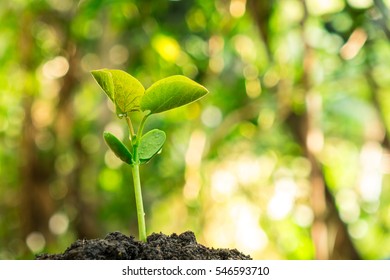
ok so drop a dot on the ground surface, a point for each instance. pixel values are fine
(117, 246)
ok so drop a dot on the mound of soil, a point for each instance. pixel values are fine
(117, 246)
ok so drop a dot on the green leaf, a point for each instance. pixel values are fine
(171, 92)
(151, 144)
(128, 91)
(119, 149)
(122, 88)
(104, 78)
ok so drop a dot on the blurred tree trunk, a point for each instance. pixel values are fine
(330, 236)
(85, 223)
(261, 12)
(38, 167)
(329, 233)
(67, 141)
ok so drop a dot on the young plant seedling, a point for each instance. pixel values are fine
(129, 95)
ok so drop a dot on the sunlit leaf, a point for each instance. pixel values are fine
(119, 149)
(151, 144)
(104, 78)
(122, 88)
(171, 92)
(128, 91)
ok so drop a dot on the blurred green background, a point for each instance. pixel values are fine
(286, 158)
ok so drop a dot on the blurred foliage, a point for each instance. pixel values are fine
(232, 170)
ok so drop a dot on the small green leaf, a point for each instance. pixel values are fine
(104, 79)
(151, 144)
(119, 149)
(171, 92)
(128, 91)
(122, 88)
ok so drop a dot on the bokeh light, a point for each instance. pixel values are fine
(289, 149)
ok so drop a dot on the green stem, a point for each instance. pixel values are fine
(138, 202)
(130, 125)
(137, 180)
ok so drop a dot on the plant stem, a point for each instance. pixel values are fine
(138, 201)
(136, 178)
(130, 125)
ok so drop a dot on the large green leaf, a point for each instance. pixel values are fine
(122, 88)
(171, 92)
(119, 149)
(151, 144)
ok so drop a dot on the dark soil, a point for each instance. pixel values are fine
(117, 246)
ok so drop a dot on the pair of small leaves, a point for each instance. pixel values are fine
(150, 144)
(128, 94)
